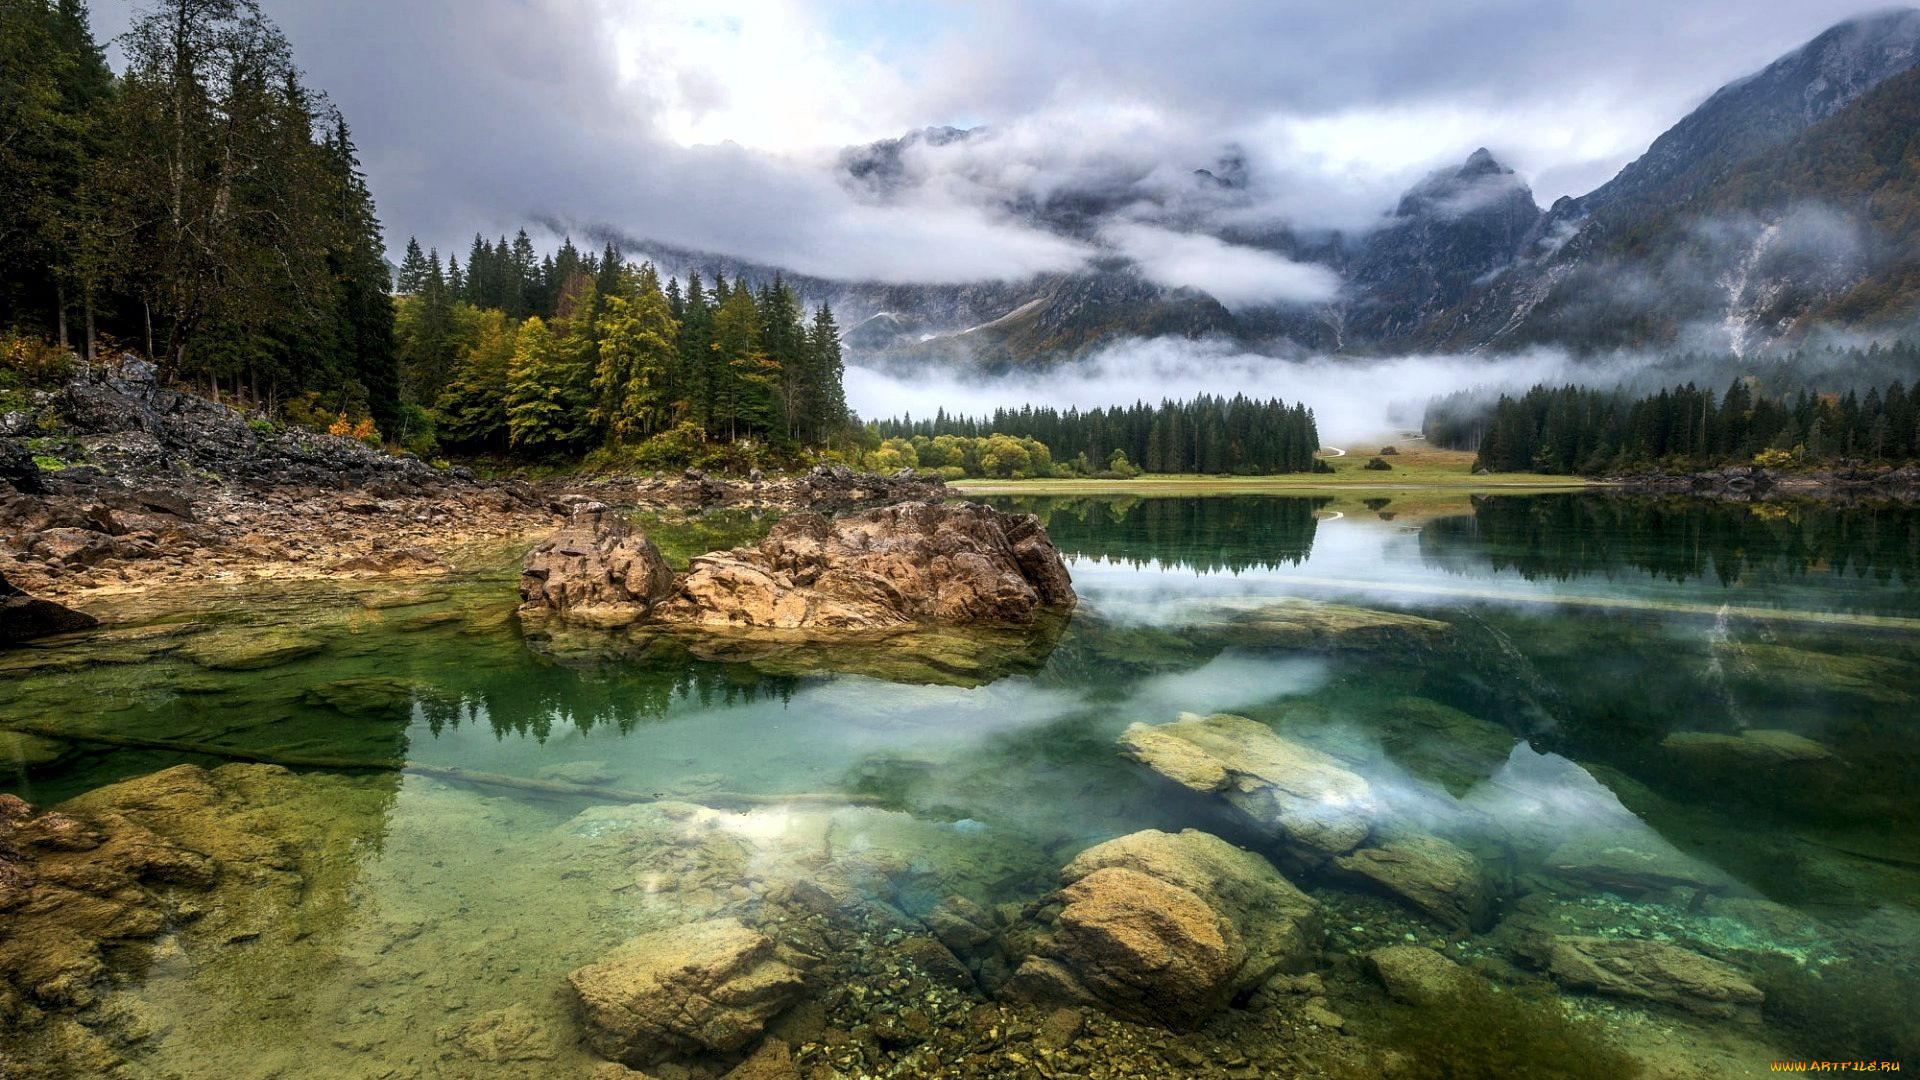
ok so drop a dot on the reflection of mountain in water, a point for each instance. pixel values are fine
(1230, 533)
(1561, 537)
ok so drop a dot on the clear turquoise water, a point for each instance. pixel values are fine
(1584, 634)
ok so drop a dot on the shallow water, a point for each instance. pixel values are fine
(1589, 644)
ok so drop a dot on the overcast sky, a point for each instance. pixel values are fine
(713, 124)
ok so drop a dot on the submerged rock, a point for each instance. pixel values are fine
(209, 855)
(1166, 929)
(1749, 749)
(913, 564)
(598, 570)
(1298, 794)
(1637, 862)
(1296, 623)
(708, 986)
(24, 617)
(250, 649)
(1417, 975)
(938, 655)
(1434, 875)
(1647, 970)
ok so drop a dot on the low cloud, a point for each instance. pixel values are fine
(1351, 398)
(1237, 276)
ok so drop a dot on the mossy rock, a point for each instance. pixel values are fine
(1482, 1033)
(250, 649)
(28, 751)
(373, 698)
(1437, 742)
(1780, 670)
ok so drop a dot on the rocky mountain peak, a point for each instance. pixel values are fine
(1481, 163)
(1481, 184)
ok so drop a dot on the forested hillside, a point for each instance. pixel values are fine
(204, 204)
(570, 353)
(206, 207)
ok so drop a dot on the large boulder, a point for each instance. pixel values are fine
(1166, 929)
(1295, 793)
(897, 566)
(705, 987)
(24, 617)
(599, 570)
(1646, 970)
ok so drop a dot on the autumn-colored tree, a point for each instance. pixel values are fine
(633, 386)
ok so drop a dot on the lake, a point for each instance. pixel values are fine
(1649, 720)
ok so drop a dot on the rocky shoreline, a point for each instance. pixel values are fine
(171, 489)
(1753, 483)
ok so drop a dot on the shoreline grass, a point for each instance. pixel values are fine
(1416, 469)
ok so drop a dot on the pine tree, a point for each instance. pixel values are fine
(746, 376)
(471, 411)
(413, 270)
(827, 399)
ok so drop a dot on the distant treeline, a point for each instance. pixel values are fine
(1238, 435)
(1580, 430)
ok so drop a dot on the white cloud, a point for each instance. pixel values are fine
(1236, 275)
(1351, 398)
(761, 73)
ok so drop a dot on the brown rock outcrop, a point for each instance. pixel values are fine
(598, 570)
(707, 986)
(912, 564)
(1166, 929)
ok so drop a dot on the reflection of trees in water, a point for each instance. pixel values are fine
(1587, 535)
(536, 699)
(1230, 533)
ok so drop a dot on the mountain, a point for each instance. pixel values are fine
(1785, 200)
(1822, 230)
(1556, 287)
(1448, 233)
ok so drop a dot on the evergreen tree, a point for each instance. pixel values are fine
(413, 270)
(471, 411)
(633, 386)
(826, 397)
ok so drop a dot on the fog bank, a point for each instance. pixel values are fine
(1352, 398)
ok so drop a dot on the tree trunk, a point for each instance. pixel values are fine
(90, 332)
(60, 299)
(148, 304)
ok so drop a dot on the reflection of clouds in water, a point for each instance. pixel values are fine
(1354, 560)
(1545, 798)
(1227, 682)
(805, 742)
(869, 714)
